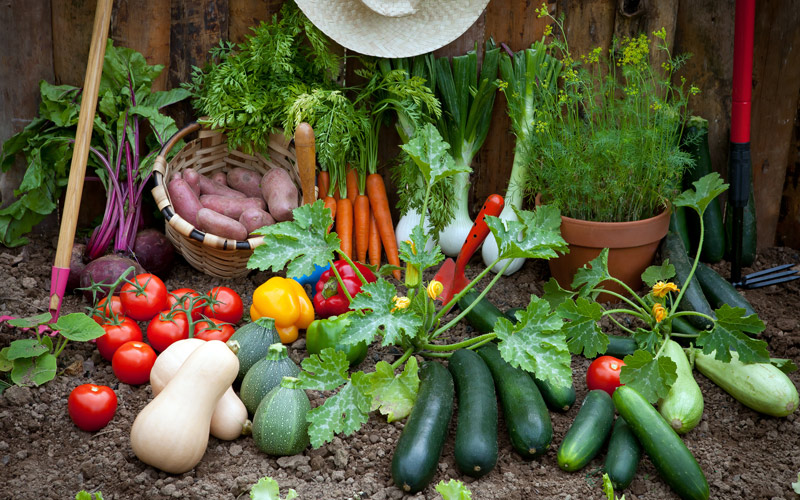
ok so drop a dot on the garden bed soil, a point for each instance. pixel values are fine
(43, 455)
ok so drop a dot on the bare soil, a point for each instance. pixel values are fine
(43, 455)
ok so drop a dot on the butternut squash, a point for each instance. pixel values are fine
(171, 432)
(229, 420)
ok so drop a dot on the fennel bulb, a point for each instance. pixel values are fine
(407, 223)
(452, 237)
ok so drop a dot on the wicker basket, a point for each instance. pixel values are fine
(209, 153)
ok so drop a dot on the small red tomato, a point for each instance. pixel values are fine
(224, 304)
(213, 329)
(91, 406)
(162, 330)
(144, 299)
(104, 312)
(182, 297)
(117, 333)
(132, 362)
(603, 374)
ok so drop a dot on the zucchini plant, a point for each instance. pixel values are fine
(414, 322)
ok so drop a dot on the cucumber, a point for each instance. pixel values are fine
(511, 313)
(623, 455)
(526, 416)
(714, 240)
(719, 291)
(670, 456)
(279, 426)
(693, 298)
(760, 386)
(476, 431)
(420, 445)
(749, 231)
(555, 397)
(588, 431)
(620, 346)
(483, 316)
(263, 376)
(682, 408)
(678, 225)
(251, 342)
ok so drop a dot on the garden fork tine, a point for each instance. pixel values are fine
(772, 276)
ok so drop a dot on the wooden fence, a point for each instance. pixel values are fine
(49, 39)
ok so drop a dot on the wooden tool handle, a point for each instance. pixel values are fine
(305, 149)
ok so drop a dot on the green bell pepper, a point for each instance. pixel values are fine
(322, 333)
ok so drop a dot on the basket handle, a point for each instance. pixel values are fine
(177, 136)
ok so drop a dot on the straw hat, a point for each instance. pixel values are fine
(392, 28)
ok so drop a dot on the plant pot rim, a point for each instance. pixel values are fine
(615, 234)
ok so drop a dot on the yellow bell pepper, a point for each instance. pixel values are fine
(286, 301)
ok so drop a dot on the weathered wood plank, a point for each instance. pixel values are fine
(130, 16)
(243, 14)
(638, 17)
(72, 22)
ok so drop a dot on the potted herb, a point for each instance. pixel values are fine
(606, 149)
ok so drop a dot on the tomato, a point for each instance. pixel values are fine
(603, 374)
(146, 298)
(163, 330)
(117, 333)
(213, 329)
(182, 297)
(91, 406)
(104, 312)
(225, 304)
(132, 362)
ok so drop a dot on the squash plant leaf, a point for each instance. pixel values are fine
(31, 321)
(580, 329)
(729, 333)
(324, 371)
(5, 364)
(554, 294)
(393, 395)
(297, 245)
(268, 489)
(344, 412)
(78, 327)
(783, 364)
(412, 254)
(453, 490)
(34, 371)
(430, 153)
(654, 274)
(26, 348)
(705, 189)
(651, 377)
(588, 277)
(646, 339)
(392, 323)
(536, 343)
(534, 235)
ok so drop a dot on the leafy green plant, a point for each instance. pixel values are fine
(34, 360)
(85, 495)
(268, 489)
(605, 147)
(413, 323)
(608, 489)
(796, 486)
(453, 490)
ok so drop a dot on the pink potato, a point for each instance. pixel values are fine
(280, 193)
(220, 177)
(191, 176)
(207, 186)
(219, 225)
(230, 207)
(184, 201)
(245, 180)
(254, 218)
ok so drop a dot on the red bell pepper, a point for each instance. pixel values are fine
(330, 299)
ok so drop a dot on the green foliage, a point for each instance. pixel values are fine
(453, 490)
(268, 489)
(85, 495)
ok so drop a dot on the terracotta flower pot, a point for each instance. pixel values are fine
(632, 247)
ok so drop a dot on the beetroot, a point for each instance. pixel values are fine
(76, 266)
(154, 251)
(107, 269)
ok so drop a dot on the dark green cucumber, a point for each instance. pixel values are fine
(525, 412)
(714, 240)
(512, 312)
(693, 298)
(588, 431)
(483, 316)
(620, 346)
(678, 225)
(623, 455)
(557, 398)
(476, 431)
(670, 456)
(719, 291)
(420, 445)
(749, 231)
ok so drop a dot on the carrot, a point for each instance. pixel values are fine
(344, 224)
(374, 243)
(352, 184)
(324, 184)
(361, 226)
(379, 203)
(330, 203)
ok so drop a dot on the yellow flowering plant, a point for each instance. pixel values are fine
(605, 146)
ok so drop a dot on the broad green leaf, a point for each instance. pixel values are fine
(345, 412)
(646, 340)
(796, 486)
(784, 365)
(729, 334)
(165, 98)
(376, 298)
(534, 235)
(430, 152)
(78, 327)
(31, 321)
(5, 363)
(734, 318)
(393, 395)
(453, 490)
(297, 245)
(536, 343)
(592, 274)
(421, 258)
(267, 489)
(554, 294)
(26, 348)
(651, 377)
(580, 329)
(324, 371)
(654, 274)
(705, 189)
(85, 495)
(36, 371)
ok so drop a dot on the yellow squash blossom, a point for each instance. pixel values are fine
(400, 303)
(412, 271)
(659, 313)
(661, 289)
(435, 289)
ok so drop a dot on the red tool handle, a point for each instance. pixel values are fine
(493, 206)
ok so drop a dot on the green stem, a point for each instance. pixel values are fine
(621, 326)
(629, 290)
(639, 315)
(402, 359)
(62, 343)
(436, 354)
(692, 313)
(685, 335)
(339, 277)
(352, 266)
(460, 345)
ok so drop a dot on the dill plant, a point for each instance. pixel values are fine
(605, 147)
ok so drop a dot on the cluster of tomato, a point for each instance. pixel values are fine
(146, 299)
